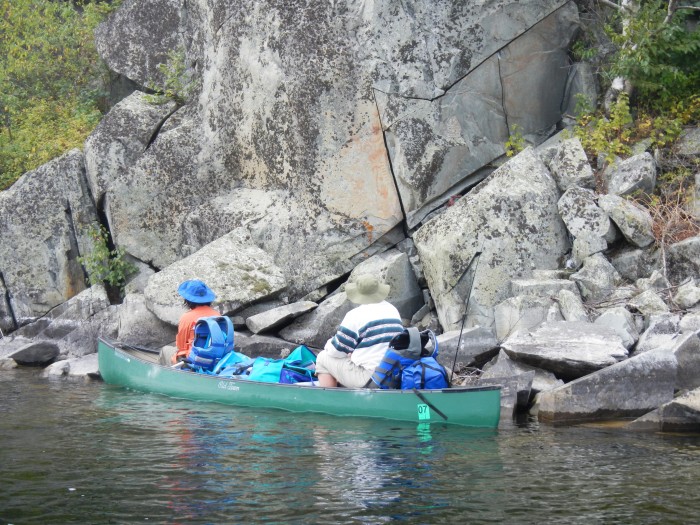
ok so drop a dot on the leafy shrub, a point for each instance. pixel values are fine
(52, 82)
(178, 83)
(602, 135)
(104, 265)
(515, 143)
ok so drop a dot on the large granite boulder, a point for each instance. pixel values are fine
(683, 259)
(121, 137)
(679, 415)
(235, 269)
(570, 167)
(569, 349)
(627, 389)
(46, 216)
(138, 36)
(512, 218)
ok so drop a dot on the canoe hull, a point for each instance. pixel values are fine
(475, 407)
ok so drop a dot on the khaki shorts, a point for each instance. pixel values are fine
(166, 355)
(343, 369)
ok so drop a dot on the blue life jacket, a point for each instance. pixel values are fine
(213, 338)
(389, 370)
(407, 364)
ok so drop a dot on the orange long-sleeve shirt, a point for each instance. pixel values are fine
(185, 329)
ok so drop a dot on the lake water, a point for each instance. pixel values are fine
(93, 453)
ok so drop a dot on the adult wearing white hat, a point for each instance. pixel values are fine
(350, 357)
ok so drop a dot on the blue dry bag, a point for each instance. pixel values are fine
(295, 368)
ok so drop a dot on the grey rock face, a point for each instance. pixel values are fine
(687, 295)
(521, 314)
(679, 415)
(571, 306)
(622, 322)
(437, 145)
(316, 327)
(690, 322)
(256, 345)
(582, 83)
(627, 389)
(695, 208)
(138, 36)
(634, 222)
(541, 287)
(45, 220)
(121, 138)
(270, 319)
(687, 353)
(503, 367)
(7, 322)
(597, 279)
(511, 216)
(649, 303)
(36, 353)
(689, 142)
(684, 260)
(139, 326)
(476, 345)
(274, 114)
(570, 168)
(586, 245)
(85, 367)
(661, 333)
(569, 349)
(634, 263)
(579, 211)
(633, 174)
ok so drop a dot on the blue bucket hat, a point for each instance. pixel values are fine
(195, 291)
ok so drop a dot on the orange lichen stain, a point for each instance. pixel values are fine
(370, 230)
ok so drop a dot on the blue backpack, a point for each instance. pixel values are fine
(213, 338)
(425, 373)
(407, 364)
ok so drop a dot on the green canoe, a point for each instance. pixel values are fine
(139, 370)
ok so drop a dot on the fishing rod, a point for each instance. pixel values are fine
(466, 308)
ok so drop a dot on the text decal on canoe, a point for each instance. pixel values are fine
(423, 412)
(225, 385)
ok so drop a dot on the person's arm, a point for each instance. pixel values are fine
(343, 343)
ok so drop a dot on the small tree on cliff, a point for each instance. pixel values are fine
(658, 52)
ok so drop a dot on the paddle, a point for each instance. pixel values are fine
(466, 309)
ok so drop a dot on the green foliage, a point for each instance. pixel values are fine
(104, 265)
(614, 135)
(582, 51)
(660, 59)
(178, 83)
(609, 136)
(51, 80)
(516, 142)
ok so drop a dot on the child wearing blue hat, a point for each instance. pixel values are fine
(198, 298)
